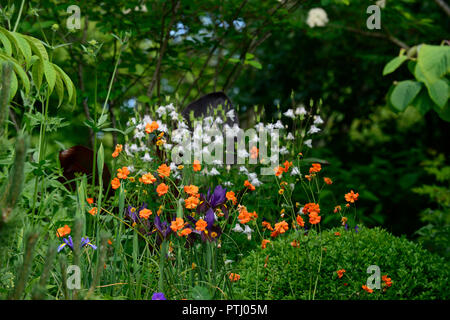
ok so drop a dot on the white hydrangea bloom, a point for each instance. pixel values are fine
(317, 17)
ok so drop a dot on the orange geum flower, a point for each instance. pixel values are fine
(311, 207)
(309, 177)
(300, 221)
(122, 173)
(201, 225)
(231, 196)
(344, 220)
(340, 273)
(281, 227)
(234, 277)
(316, 167)
(147, 178)
(197, 166)
(191, 202)
(287, 164)
(150, 127)
(264, 243)
(281, 191)
(115, 183)
(145, 213)
(117, 150)
(351, 196)
(314, 218)
(191, 190)
(177, 224)
(366, 288)
(278, 171)
(337, 208)
(295, 244)
(337, 234)
(93, 211)
(163, 170)
(327, 180)
(244, 216)
(185, 232)
(90, 200)
(162, 189)
(249, 185)
(63, 231)
(267, 225)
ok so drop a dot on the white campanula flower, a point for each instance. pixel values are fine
(301, 111)
(284, 150)
(308, 143)
(173, 166)
(174, 116)
(290, 136)
(228, 184)
(218, 121)
(243, 169)
(170, 107)
(134, 148)
(139, 135)
(230, 114)
(317, 17)
(146, 157)
(131, 168)
(248, 231)
(146, 120)
(140, 127)
(289, 113)
(318, 120)
(255, 182)
(168, 146)
(313, 129)
(295, 171)
(214, 172)
(162, 126)
(161, 111)
(237, 228)
(217, 162)
(228, 261)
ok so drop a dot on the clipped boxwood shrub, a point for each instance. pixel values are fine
(282, 271)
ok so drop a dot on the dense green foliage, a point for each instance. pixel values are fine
(282, 271)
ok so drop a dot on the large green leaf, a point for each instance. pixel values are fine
(37, 47)
(37, 73)
(434, 61)
(438, 91)
(19, 71)
(6, 44)
(404, 93)
(50, 75)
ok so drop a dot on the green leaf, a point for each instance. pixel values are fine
(68, 82)
(423, 102)
(37, 73)
(6, 44)
(19, 71)
(404, 93)
(254, 64)
(59, 86)
(444, 113)
(23, 46)
(434, 61)
(50, 75)
(438, 91)
(392, 65)
(37, 47)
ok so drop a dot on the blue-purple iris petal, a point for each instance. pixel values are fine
(158, 296)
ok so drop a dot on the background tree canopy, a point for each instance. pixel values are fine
(260, 53)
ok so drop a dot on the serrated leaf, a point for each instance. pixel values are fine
(50, 75)
(23, 46)
(37, 47)
(37, 73)
(6, 44)
(404, 93)
(392, 65)
(19, 71)
(67, 81)
(59, 87)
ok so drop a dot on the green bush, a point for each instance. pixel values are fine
(290, 273)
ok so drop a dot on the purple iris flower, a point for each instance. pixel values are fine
(356, 228)
(346, 227)
(162, 227)
(210, 227)
(69, 242)
(215, 200)
(133, 213)
(158, 296)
